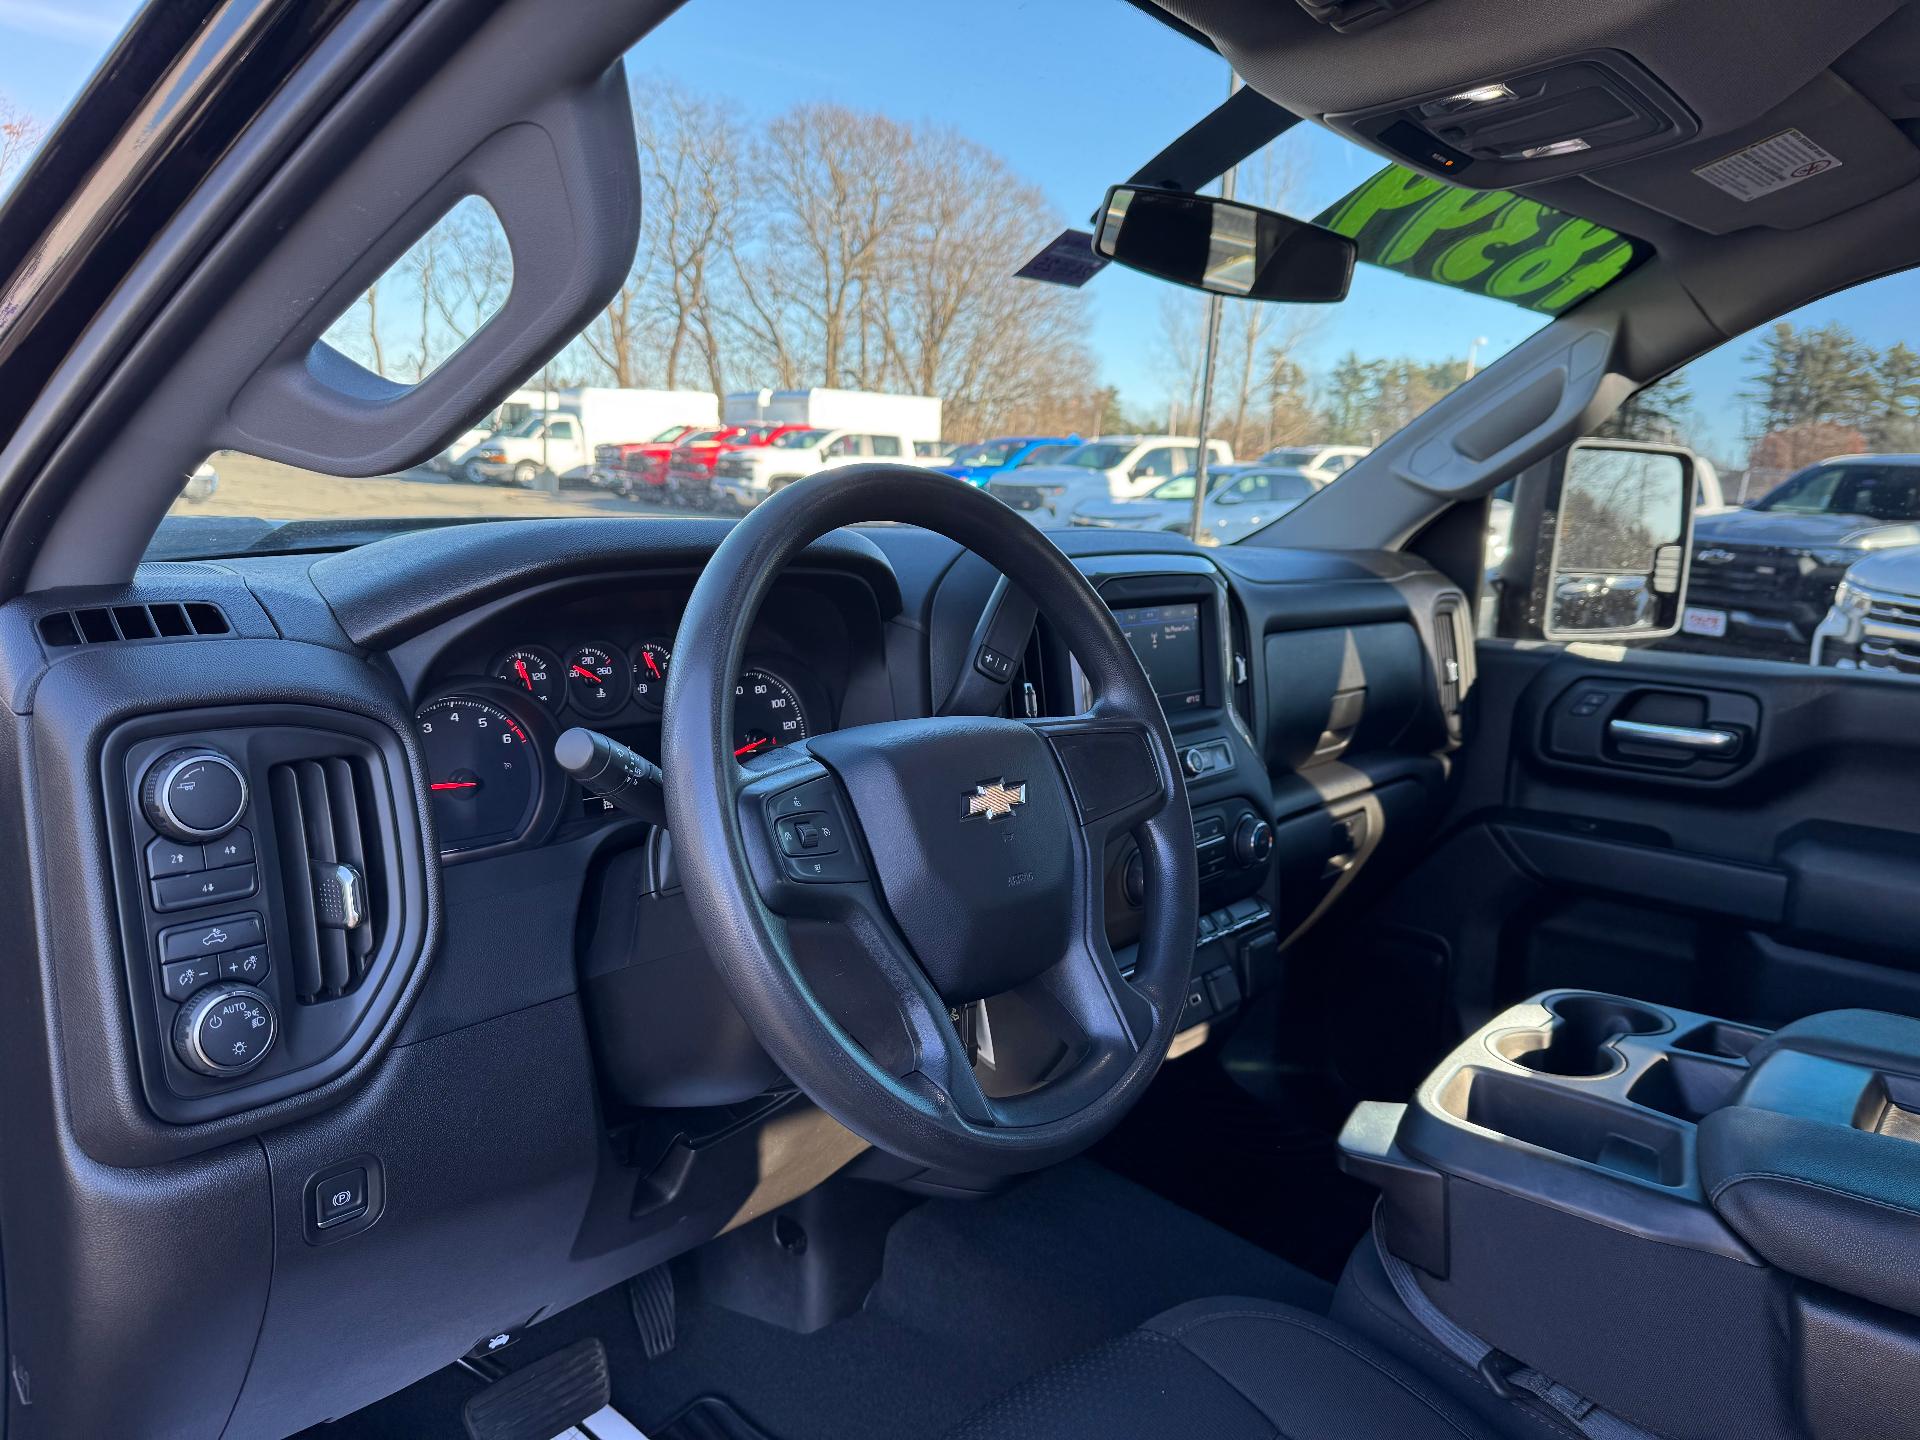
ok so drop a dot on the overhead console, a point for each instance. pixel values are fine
(1704, 1218)
(1542, 123)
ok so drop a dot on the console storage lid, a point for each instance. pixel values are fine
(1817, 1166)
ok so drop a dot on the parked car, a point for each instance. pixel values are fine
(511, 412)
(743, 478)
(982, 461)
(825, 408)
(1114, 467)
(689, 468)
(1763, 578)
(1323, 462)
(1240, 499)
(629, 466)
(200, 484)
(562, 444)
(1874, 621)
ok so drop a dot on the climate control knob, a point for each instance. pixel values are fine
(193, 794)
(225, 1030)
(1252, 841)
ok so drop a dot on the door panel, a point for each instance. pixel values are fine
(1763, 868)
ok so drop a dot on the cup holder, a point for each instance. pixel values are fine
(1579, 1042)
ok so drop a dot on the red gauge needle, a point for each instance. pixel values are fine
(751, 746)
(454, 785)
(525, 679)
(646, 656)
(586, 674)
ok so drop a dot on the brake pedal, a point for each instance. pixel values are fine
(655, 1313)
(544, 1399)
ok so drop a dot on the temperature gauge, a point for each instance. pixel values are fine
(650, 663)
(597, 680)
(534, 671)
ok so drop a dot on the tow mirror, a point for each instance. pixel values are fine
(1620, 516)
(1224, 247)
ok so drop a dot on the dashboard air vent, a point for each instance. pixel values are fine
(1452, 655)
(104, 624)
(330, 869)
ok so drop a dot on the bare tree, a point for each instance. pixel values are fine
(19, 133)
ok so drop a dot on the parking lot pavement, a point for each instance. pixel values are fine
(268, 490)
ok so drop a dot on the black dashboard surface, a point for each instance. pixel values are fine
(484, 1091)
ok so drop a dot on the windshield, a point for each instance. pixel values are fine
(1877, 492)
(848, 286)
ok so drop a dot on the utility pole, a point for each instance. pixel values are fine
(1473, 355)
(1200, 465)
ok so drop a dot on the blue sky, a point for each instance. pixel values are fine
(1041, 82)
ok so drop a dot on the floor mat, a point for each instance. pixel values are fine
(974, 1297)
(710, 1419)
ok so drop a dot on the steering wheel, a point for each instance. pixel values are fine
(955, 858)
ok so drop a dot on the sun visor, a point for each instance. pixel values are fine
(1825, 150)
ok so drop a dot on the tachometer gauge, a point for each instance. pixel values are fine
(766, 713)
(650, 663)
(483, 770)
(533, 670)
(597, 680)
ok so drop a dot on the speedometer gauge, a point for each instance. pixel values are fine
(766, 713)
(482, 768)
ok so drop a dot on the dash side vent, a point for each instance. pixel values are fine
(108, 624)
(1451, 659)
(330, 869)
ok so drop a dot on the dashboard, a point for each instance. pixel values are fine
(521, 1067)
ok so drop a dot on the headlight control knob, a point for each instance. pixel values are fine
(193, 794)
(225, 1030)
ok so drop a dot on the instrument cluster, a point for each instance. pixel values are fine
(488, 739)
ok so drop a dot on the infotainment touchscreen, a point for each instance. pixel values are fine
(1167, 640)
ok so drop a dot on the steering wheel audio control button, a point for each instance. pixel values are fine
(803, 835)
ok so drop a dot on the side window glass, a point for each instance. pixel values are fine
(845, 445)
(560, 430)
(1156, 462)
(885, 444)
(1806, 531)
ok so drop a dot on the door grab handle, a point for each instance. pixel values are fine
(1677, 737)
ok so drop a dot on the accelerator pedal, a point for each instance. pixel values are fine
(650, 1295)
(545, 1399)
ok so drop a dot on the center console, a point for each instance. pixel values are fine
(1706, 1228)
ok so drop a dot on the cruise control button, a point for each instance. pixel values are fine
(210, 937)
(209, 887)
(169, 857)
(180, 980)
(233, 848)
(250, 964)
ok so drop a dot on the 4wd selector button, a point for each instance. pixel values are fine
(225, 1030)
(193, 794)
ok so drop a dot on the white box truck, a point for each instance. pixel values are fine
(917, 417)
(559, 443)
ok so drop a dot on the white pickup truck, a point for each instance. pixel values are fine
(1114, 467)
(743, 478)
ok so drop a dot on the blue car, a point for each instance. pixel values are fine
(981, 462)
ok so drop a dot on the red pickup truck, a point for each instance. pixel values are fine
(690, 464)
(637, 465)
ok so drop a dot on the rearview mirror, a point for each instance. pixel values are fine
(1621, 514)
(1224, 247)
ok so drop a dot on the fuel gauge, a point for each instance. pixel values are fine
(650, 663)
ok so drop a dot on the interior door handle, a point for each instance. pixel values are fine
(1675, 737)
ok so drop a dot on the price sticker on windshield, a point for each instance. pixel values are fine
(1486, 242)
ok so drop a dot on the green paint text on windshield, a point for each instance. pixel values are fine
(1488, 242)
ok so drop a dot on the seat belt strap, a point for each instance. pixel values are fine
(1502, 1373)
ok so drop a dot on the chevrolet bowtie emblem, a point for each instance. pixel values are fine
(995, 799)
